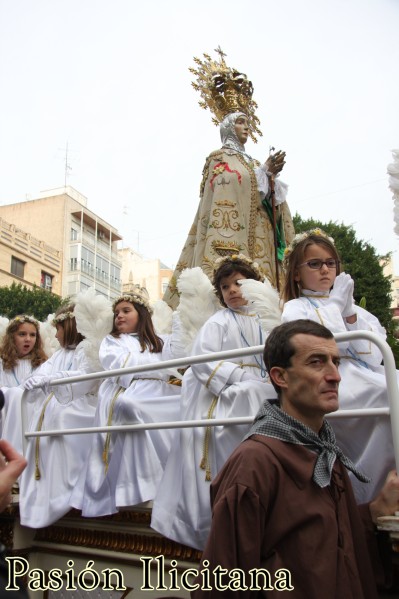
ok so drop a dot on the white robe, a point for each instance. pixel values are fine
(181, 509)
(10, 384)
(61, 458)
(135, 460)
(367, 441)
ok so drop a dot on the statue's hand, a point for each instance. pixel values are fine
(275, 162)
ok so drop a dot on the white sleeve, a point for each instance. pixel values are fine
(327, 314)
(124, 352)
(80, 366)
(297, 309)
(113, 353)
(175, 345)
(280, 188)
(364, 349)
(214, 375)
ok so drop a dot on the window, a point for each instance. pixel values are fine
(115, 275)
(74, 234)
(46, 281)
(17, 267)
(74, 264)
(87, 260)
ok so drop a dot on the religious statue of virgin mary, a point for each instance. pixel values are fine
(242, 207)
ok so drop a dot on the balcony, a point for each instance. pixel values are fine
(29, 245)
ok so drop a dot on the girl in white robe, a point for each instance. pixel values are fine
(316, 290)
(124, 469)
(21, 353)
(54, 463)
(220, 389)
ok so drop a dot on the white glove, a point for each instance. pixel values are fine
(350, 308)
(342, 292)
(33, 382)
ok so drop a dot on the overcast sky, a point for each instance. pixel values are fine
(110, 79)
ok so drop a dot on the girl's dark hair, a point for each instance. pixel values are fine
(292, 288)
(71, 334)
(8, 352)
(147, 336)
(228, 268)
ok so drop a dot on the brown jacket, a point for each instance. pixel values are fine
(268, 513)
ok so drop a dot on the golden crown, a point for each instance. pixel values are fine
(225, 90)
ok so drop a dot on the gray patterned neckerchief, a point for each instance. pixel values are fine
(271, 421)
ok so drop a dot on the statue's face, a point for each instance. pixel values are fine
(241, 128)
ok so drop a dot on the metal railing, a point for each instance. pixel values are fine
(390, 375)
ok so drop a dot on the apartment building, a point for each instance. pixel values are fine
(86, 244)
(149, 273)
(28, 260)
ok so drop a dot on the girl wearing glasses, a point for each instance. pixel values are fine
(316, 289)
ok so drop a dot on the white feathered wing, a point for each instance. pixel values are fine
(265, 300)
(94, 318)
(393, 171)
(198, 302)
(4, 322)
(47, 333)
(162, 317)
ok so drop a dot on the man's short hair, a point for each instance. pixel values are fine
(279, 348)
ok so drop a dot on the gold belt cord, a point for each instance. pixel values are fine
(37, 440)
(205, 465)
(109, 422)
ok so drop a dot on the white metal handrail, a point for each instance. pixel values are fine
(390, 375)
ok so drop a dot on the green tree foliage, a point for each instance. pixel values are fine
(362, 262)
(18, 299)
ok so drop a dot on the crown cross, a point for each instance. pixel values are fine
(219, 51)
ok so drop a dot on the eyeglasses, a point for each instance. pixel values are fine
(316, 264)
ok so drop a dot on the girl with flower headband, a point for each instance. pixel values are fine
(54, 463)
(21, 353)
(316, 289)
(218, 389)
(124, 469)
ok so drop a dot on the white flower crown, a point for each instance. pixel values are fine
(238, 257)
(136, 297)
(62, 317)
(25, 318)
(301, 236)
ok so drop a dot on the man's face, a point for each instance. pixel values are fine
(309, 386)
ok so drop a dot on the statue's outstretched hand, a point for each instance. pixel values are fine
(275, 162)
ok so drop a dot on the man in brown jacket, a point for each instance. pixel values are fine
(285, 521)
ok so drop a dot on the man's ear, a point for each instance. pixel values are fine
(278, 376)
